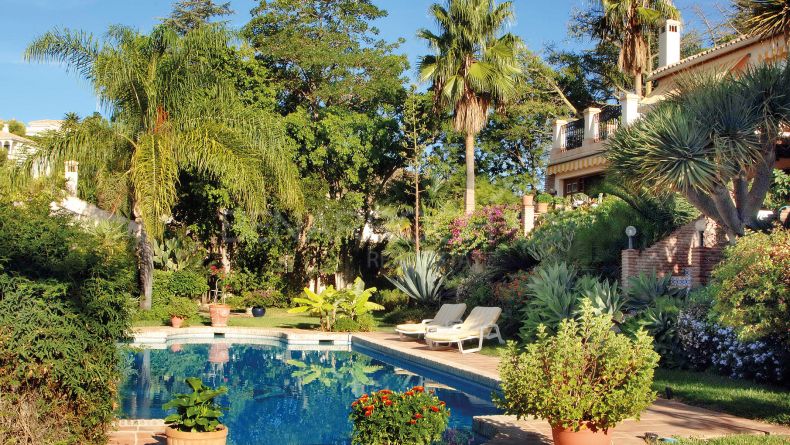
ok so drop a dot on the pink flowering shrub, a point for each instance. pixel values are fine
(478, 234)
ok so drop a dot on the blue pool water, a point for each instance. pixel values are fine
(285, 396)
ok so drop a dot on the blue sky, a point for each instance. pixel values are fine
(34, 91)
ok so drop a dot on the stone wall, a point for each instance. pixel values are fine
(679, 254)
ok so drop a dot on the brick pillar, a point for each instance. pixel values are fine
(703, 261)
(629, 265)
(527, 214)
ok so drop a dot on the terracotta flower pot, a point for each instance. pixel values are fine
(175, 437)
(528, 200)
(176, 322)
(585, 436)
(219, 353)
(219, 314)
(543, 207)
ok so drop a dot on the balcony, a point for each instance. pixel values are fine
(597, 125)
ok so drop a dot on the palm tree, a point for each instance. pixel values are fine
(170, 112)
(767, 18)
(472, 68)
(714, 142)
(628, 23)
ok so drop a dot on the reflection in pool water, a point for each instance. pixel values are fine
(277, 395)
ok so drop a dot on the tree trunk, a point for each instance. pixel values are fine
(638, 84)
(469, 196)
(417, 208)
(145, 264)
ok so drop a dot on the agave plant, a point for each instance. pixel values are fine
(646, 288)
(552, 298)
(422, 278)
(605, 297)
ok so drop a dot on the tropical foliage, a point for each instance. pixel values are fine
(159, 110)
(585, 376)
(421, 278)
(331, 304)
(714, 143)
(196, 412)
(473, 68)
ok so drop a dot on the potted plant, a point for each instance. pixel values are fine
(180, 309)
(218, 310)
(259, 300)
(385, 417)
(527, 199)
(559, 203)
(196, 420)
(543, 200)
(583, 380)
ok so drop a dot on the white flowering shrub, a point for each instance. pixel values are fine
(711, 346)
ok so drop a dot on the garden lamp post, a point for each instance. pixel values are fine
(630, 231)
(700, 227)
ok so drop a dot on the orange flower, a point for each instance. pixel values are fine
(409, 393)
(385, 391)
(368, 413)
(388, 402)
(369, 408)
(354, 403)
(418, 416)
(419, 388)
(442, 403)
(412, 422)
(434, 409)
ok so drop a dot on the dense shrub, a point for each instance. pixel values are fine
(187, 283)
(363, 323)
(392, 299)
(510, 294)
(389, 418)
(752, 284)
(475, 290)
(265, 298)
(64, 298)
(584, 375)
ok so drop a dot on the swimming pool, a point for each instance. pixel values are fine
(287, 395)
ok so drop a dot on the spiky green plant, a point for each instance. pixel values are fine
(422, 279)
(767, 18)
(171, 111)
(473, 68)
(714, 143)
(605, 297)
(646, 288)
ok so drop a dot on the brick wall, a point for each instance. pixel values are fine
(678, 253)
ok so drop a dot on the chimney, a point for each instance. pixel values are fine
(669, 43)
(72, 177)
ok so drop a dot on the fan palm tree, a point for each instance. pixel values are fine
(472, 69)
(628, 23)
(714, 142)
(768, 17)
(170, 112)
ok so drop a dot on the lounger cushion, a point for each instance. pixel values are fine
(470, 328)
(447, 315)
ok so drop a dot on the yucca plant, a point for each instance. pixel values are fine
(714, 143)
(767, 18)
(422, 278)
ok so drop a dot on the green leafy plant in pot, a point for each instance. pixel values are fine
(181, 309)
(543, 200)
(583, 380)
(196, 420)
(259, 300)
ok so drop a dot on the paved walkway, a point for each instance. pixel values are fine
(665, 418)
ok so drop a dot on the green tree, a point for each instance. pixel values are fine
(14, 126)
(170, 112)
(714, 142)
(629, 24)
(340, 89)
(189, 14)
(472, 69)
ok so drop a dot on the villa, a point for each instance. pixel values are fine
(576, 163)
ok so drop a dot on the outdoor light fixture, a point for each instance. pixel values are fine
(630, 231)
(700, 226)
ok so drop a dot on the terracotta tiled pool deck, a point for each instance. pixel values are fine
(665, 418)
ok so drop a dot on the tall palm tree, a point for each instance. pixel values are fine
(628, 23)
(473, 68)
(714, 142)
(170, 111)
(767, 17)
